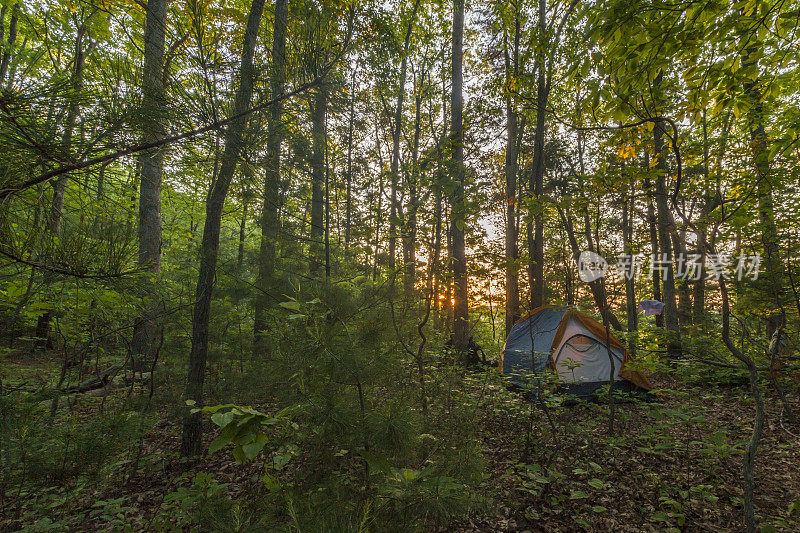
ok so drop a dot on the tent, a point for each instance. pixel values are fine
(573, 345)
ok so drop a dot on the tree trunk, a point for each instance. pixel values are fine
(511, 169)
(410, 227)
(397, 129)
(652, 225)
(758, 425)
(348, 206)
(594, 286)
(770, 241)
(271, 199)
(665, 257)
(151, 164)
(378, 213)
(316, 249)
(458, 211)
(448, 274)
(536, 238)
(191, 440)
(240, 248)
(3, 9)
(630, 279)
(327, 237)
(5, 57)
(53, 223)
(435, 255)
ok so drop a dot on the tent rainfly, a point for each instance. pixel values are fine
(573, 345)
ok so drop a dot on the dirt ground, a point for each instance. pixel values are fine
(671, 465)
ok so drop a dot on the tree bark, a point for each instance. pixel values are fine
(53, 222)
(770, 241)
(396, 131)
(318, 111)
(410, 226)
(630, 279)
(191, 440)
(271, 198)
(536, 237)
(5, 57)
(748, 461)
(240, 248)
(511, 169)
(151, 164)
(348, 206)
(327, 234)
(664, 238)
(458, 210)
(652, 224)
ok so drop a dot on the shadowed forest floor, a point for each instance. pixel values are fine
(671, 464)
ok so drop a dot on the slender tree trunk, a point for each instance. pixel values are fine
(348, 206)
(397, 129)
(758, 426)
(12, 37)
(770, 241)
(665, 257)
(511, 169)
(53, 222)
(316, 259)
(595, 286)
(191, 441)
(378, 217)
(699, 293)
(448, 274)
(240, 249)
(684, 290)
(435, 254)
(536, 244)
(652, 224)
(271, 199)
(3, 10)
(151, 164)
(327, 238)
(410, 227)
(630, 279)
(458, 215)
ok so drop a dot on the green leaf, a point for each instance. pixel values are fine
(238, 454)
(599, 509)
(596, 483)
(270, 482)
(251, 450)
(222, 419)
(578, 495)
(217, 444)
(291, 305)
(280, 460)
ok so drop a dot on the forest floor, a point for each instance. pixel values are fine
(672, 464)
(675, 464)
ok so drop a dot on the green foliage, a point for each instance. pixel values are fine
(352, 418)
(37, 452)
(243, 427)
(368, 454)
(206, 504)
